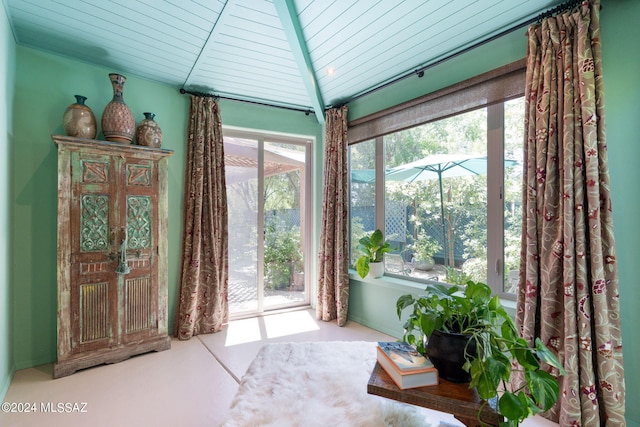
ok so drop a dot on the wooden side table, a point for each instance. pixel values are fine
(456, 399)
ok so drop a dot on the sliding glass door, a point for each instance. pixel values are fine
(267, 197)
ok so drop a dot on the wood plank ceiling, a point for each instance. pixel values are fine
(302, 54)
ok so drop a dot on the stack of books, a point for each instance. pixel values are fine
(406, 367)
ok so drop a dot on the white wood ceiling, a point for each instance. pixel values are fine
(270, 51)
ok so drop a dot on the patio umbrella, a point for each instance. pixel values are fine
(441, 166)
(363, 176)
(241, 160)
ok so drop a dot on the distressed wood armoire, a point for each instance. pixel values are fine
(112, 252)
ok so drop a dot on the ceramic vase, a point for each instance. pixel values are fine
(118, 124)
(148, 132)
(78, 120)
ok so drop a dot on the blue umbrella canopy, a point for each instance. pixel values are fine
(439, 166)
(364, 176)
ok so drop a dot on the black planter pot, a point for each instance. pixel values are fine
(446, 352)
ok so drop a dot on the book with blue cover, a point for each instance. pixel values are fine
(406, 367)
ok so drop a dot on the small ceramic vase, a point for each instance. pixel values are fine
(118, 124)
(148, 132)
(79, 121)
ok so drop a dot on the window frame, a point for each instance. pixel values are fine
(489, 90)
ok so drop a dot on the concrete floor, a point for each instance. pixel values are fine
(192, 384)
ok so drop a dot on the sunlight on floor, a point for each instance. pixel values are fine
(243, 331)
(268, 327)
(292, 323)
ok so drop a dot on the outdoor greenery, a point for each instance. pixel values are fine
(357, 233)
(424, 247)
(281, 192)
(464, 197)
(282, 256)
(456, 276)
(501, 354)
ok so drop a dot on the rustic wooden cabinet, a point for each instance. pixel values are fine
(112, 252)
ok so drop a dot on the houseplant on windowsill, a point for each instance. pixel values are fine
(493, 350)
(373, 247)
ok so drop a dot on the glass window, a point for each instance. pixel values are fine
(513, 149)
(436, 197)
(362, 159)
(437, 200)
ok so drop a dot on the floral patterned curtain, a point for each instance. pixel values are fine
(568, 289)
(333, 276)
(203, 305)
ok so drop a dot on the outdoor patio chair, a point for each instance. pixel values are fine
(394, 263)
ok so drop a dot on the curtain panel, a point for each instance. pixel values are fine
(203, 297)
(568, 288)
(333, 271)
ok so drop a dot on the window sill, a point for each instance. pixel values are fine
(409, 286)
(390, 282)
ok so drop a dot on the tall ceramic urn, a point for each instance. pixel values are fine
(118, 124)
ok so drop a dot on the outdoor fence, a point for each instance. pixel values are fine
(398, 228)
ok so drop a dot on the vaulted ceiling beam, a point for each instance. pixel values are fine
(289, 18)
(215, 31)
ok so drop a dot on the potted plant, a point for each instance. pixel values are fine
(492, 352)
(423, 249)
(374, 247)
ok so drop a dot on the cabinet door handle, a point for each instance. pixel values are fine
(112, 235)
(123, 266)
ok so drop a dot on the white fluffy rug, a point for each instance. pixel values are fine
(315, 384)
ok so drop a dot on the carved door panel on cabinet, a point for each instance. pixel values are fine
(112, 249)
(139, 209)
(93, 285)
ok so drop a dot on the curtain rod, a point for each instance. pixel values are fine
(210, 95)
(560, 8)
(570, 4)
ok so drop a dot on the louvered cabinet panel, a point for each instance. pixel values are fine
(112, 249)
(94, 315)
(138, 305)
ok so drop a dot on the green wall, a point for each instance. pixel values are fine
(373, 302)
(44, 87)
(7, 54)
(620, 36)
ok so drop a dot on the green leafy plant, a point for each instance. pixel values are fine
(373, 248)
(424, 247)
(282, 256)
(500, 351)
(475, 269)
(456, 276)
